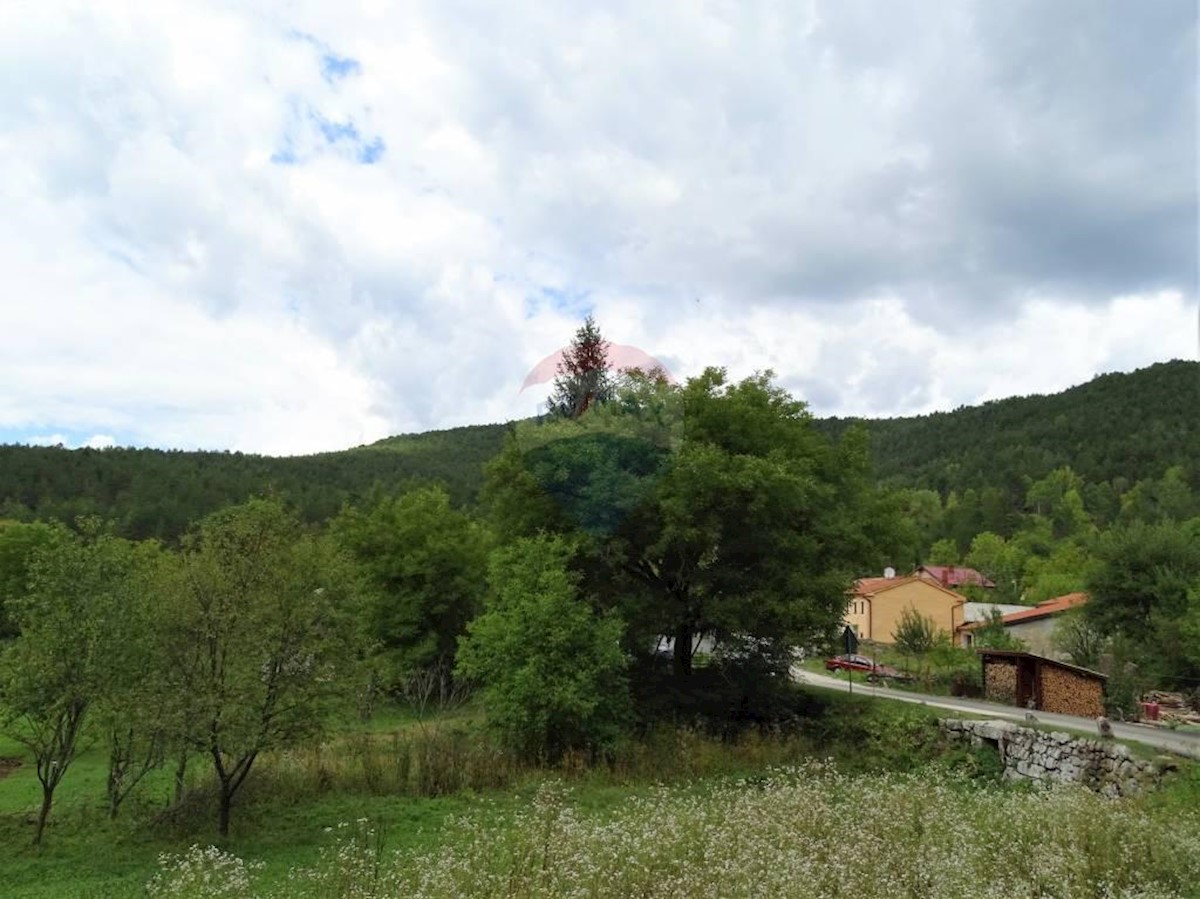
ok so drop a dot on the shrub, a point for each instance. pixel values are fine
(552, 669)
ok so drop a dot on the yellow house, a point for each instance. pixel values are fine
(876, 604)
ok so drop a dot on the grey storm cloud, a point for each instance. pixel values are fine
(957, 154)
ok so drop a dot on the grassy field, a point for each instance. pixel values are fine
(398, 799)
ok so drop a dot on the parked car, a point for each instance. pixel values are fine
(850, 663)
(864, 665)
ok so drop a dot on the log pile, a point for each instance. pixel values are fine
(1173, 708)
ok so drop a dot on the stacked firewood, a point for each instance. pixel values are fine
(1172, 707)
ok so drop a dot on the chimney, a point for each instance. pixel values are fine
(889, 572)
(948, 576)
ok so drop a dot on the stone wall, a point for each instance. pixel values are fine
(1027, 754)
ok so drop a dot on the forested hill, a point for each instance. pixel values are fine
(1115, 430)
(157, 493)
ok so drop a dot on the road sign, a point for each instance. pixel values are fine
(850, 640)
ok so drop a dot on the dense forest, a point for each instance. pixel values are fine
(1118, 428)
(157, 493)
(1113, 432)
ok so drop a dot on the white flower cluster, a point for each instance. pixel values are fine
(799, 832)
(352, 867)
(202, 873)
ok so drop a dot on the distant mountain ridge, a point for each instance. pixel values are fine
(1116, 427)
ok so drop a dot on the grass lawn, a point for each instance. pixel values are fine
(288, 813)
(87, 855)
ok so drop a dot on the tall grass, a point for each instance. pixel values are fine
(800, 832)
(447, 761)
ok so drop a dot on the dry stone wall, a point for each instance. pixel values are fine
(1027, 754)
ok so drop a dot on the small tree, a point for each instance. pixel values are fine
(425, 564)
(943, 552)
(583, 378)
(1079, 638)
(261, 627)
(19, 545)
(552, 669)
(994, 635)
(55, 672)
(136, 711)
(916, 634)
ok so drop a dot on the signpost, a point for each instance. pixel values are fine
(850, 640)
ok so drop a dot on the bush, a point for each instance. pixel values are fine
(552, 669)
(724, 698)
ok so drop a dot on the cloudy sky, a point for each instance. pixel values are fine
(302, 226)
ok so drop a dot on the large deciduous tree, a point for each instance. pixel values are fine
(757, 523)
(137, 713)
(712, 509)
(1144, 587)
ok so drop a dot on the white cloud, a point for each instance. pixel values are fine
(897, 207)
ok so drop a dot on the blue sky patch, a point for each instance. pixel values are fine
(576, 302)
(49, 435)
(368, 154)
(334, 67)
(333, 132)
(342, 136)
(567, 300)
(285, 155)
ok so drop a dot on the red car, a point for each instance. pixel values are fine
(864, 665)
(850, 663)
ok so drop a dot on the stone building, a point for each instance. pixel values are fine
(1035, 682)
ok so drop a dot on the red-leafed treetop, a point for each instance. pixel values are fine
(583, 377)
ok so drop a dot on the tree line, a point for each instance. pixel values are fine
(1120, 434)
(639, 521)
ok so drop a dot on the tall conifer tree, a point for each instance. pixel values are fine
(583, 378)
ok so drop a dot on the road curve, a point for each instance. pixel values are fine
(1185, 744)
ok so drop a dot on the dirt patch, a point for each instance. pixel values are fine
(8, 766)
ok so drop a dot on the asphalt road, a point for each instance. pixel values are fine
(1186, 744)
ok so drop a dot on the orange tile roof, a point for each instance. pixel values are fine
(865, 586)
(1044, 609)
(869, 586)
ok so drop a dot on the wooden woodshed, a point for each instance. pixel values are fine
(1031, 681)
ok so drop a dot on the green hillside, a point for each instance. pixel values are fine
(1116, 426)
(157, 493)
(1114, 431)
